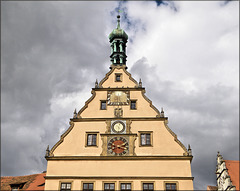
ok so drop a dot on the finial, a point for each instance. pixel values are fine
(96, 84)
(47, 152)
(75, 113)
(140, 83)
(189, 150)
(162, 113)
(118, 20)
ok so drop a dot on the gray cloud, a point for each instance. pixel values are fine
(52, 52)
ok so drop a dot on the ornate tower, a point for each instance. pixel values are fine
(118, 140)
(118, 39)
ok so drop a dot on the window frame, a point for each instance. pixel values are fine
(65, 182)
(91, 133)
(146, 182)
(140, 138)
(133, 100)
(101, 101)
(125, 182)
(120, 77)
(109, 182)
(93, 183)
(170, 182)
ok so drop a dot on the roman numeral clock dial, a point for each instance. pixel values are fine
(118, 146)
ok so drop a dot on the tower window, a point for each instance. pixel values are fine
(171, 186)
(109, 187)
(87, 186)
(65, 187)
(125, 186)
(118, 77)
(145, 138)
(133, 104)
(103, 105)
(147, 186)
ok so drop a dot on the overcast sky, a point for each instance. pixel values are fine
(186, 53)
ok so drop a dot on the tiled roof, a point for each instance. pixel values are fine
(212, 188)
(28, 182)
(233, 171)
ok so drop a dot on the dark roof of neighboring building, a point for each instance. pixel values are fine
(212, 188)
(28, 182)
(233, 171)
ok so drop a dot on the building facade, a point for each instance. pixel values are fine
(227, 172)
(118, 140)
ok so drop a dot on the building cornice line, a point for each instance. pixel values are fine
(124, 118)
(120, 158)
(119, 88)
(121, 177)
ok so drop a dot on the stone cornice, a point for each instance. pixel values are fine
(121, 177)
(119, 88)
(125, 118)
(120, 158)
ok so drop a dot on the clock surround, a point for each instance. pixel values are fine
(118, 127)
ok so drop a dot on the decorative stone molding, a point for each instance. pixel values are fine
(176, 139)
(150, 103)
(61, 139)
(86, 103)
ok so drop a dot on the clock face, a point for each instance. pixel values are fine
(118, 146)
(118, 127)
(118, 98)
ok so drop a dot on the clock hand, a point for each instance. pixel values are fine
(123, 144)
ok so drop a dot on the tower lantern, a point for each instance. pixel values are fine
(118, 39)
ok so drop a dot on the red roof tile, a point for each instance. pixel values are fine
(29, 182)
(233, 170)
(212, 188)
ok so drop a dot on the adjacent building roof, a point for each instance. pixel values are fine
(28, 182)
(212, 188)
(233, 171)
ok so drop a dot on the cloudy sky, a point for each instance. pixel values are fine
(186, 53)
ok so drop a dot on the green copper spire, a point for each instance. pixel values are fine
(118, 39)
(118, 20)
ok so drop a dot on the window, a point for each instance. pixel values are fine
(146, 139)
(65, 187)
(171, 186)
(133, 105)
(91, 139)
(125, 186)
(109, 187)
(118, 77)
(15, 187)
(147, 186)
(87, 186)
(103, 105)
